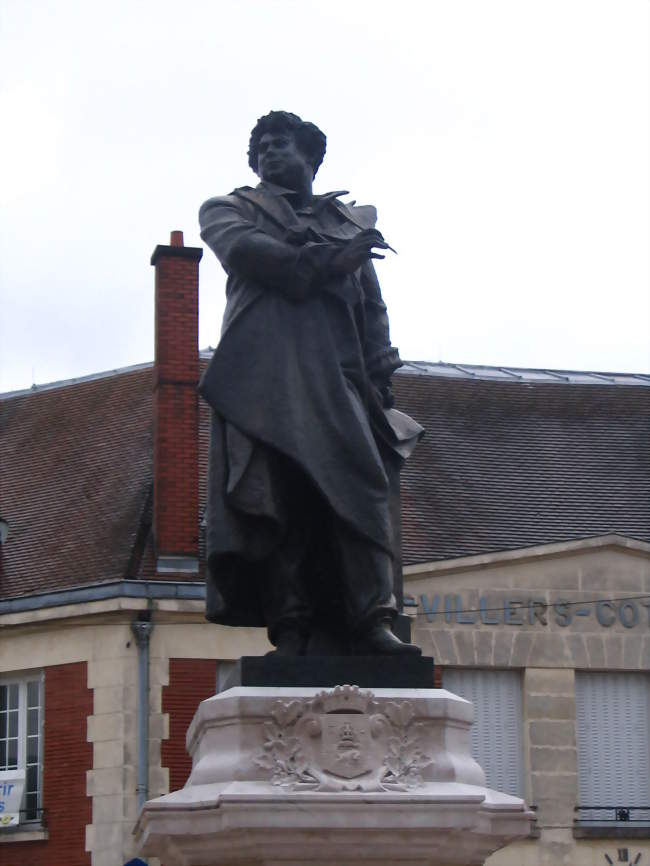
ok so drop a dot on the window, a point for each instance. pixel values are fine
(225, 670)
(497, 730)
(613, 739)
(21, 719)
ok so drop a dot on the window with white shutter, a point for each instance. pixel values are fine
(613, 740)
(21, 746)
(497, 729)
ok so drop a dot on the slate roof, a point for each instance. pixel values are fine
(511, 459)
(75, 477)
(507, 464)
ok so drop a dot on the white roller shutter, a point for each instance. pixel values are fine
(497, 728)
(613, 739)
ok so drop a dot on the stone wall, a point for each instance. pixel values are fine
(542, 611)
(97, 638)
(545, 612)
(546, 645)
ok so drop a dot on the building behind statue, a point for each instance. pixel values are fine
(526, 548)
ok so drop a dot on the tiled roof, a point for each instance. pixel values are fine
(511, 464)
(75, 464)
(511, 458)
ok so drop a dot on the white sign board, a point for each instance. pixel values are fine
(12, 785)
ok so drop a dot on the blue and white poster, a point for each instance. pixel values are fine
(12, 785)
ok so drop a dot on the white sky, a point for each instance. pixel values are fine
(504, 142)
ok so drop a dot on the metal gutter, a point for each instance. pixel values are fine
(148, 589)
(142, 629)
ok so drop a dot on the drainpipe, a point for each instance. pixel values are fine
(142, 629)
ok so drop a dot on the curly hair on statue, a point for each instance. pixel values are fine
(309, 138)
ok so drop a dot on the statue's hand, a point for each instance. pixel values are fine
(384, 395)
(355, 252)
(387, 396)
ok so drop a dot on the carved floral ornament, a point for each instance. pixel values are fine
(341, 741)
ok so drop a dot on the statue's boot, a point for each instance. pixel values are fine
(380, 640)
(289, 642)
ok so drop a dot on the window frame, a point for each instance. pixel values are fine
(22, 679)
(590, 820)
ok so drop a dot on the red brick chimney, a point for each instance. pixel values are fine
(175, 406)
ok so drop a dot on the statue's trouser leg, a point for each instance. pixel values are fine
(366, 576)
(284, 600)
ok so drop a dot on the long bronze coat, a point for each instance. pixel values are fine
(298, 377)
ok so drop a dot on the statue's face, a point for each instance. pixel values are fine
(280, 161)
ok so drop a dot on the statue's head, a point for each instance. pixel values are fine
(280, 142)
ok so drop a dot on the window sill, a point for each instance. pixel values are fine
(611, 831)
(24, 834)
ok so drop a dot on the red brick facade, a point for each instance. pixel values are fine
(190, 682)
(176, 412)
(66, 758)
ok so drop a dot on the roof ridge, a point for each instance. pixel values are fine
(518, 375)
(76, 380)
(500, 372)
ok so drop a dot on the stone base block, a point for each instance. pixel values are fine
(291, 776)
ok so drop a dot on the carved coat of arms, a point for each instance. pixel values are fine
(341, 741)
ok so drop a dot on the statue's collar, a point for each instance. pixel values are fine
(274, 188)
(270, 199)
(274, 201)
(317, 200)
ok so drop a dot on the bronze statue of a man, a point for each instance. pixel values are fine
(305, 446)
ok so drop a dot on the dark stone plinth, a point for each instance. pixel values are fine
(370, 672)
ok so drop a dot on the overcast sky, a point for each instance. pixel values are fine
(504, 142)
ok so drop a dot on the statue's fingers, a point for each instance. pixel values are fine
(364, 248)
(371, 241)
(381, 241)
(369, 236)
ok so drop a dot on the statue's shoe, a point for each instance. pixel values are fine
(290, 643)
(379, 640)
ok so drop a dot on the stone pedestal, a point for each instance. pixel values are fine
(289, 776)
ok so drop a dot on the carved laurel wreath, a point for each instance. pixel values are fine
(283, 753)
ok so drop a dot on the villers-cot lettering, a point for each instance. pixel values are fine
(530, 611)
